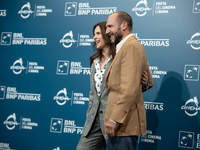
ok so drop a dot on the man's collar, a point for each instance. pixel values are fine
(119, 45)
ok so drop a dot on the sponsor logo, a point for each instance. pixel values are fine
(194, 41)
(2, 13)
(191, 107)
(154, 106)
(153, 42)
(18, 39)
(67, 40)
(58, 148)
(62, 67)
(13, 94)
(32, 67)
(156, 73)
(17, 66)
(2, 92)
(162, 8)
(83, 40)
(5, 146)
(150, 137)
(86, 9)
(56, 125)
(6, 38)
(70, 9)
(26, 11)
(25, 123)
(69, 126)
(186, 139)
(196, 6)
(141, 8)
(61, 97)
(77, 98)
(75, 68)
(198, 140)
(191, 72)
(11, 122)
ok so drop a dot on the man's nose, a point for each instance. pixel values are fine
(107, 31)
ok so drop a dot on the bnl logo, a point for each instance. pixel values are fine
(6, 38)
(56, 125)
(62, 67)
(2, 92)
(70, 8)
(191, 72)
(196, 6)
(186, 139)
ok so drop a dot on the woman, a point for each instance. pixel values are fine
(93, 137)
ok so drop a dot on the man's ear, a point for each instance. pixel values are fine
(124, 25)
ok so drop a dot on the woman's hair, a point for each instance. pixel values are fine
(112, 50)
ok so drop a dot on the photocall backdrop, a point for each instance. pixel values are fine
(44, 77)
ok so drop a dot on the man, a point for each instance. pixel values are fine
(125, 117)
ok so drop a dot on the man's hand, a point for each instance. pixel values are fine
(144, 77)
(110, 128)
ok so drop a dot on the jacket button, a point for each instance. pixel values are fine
(101, 112)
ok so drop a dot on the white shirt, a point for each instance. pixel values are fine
(119, 45)
(98, 75)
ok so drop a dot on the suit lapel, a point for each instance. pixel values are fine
(93, 88)
(117, 55)
(103, 86)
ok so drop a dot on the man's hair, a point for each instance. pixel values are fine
(123, 16)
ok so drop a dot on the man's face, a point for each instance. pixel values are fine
(113, 29)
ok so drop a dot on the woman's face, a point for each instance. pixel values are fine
(98, 38)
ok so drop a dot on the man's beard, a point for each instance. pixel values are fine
(117, 37)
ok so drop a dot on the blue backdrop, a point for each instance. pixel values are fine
(44, 77)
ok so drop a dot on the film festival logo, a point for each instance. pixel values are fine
(11, 122)
(194, 42)
(77, 98)
(26, 11)
(186, 139)
(67, 40)
(58, 125)
(191, 72)
(191, 107)
(32, 67)
(58, 148)
(2, 13)
(2, 92)
(25, 123)
(6, 38)
(196, 6)
(61, 97)
(141, 8)
(17, 66)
